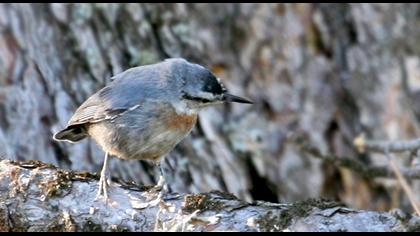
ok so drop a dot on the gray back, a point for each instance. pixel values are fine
(133, 87)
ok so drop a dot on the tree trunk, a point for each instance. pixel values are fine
(39, 197)
(325, 71)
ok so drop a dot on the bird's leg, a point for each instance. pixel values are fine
(162, 185)
(103, 181)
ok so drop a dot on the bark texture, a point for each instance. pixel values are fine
(325, 71)
(39, 197)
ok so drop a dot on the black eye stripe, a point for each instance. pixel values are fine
(203, 100)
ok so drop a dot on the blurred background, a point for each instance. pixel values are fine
(322, 72)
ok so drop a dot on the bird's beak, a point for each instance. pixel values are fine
(232, 98)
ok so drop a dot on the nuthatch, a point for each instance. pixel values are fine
(145, 111)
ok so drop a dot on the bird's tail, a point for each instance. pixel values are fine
(71, 134)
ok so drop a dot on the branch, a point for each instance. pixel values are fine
(351, 163)
(363, 145)
(404, 184)
(386, 148)
(38, 197)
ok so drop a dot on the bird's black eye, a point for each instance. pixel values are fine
(212, 85)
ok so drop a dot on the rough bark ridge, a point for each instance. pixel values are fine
(327, 71)
(39, 197)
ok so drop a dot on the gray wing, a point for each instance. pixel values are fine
(127, 90)
(97, 108)
(100, 106)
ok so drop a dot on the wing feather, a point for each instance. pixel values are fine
(127, 91)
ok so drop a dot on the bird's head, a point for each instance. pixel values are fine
(201, 88)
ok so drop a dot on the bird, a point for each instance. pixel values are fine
(145, 111)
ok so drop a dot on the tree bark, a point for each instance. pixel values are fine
(326, 71)
(36, 196)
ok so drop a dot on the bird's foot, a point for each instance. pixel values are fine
(161, 186)
(103, 188)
